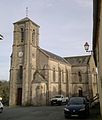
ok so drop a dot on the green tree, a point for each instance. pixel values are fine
(4, 92)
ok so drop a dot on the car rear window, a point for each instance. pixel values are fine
(76, 100)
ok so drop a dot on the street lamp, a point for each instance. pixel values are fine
(86, 46)
(1, 37)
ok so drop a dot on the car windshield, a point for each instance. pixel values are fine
(76, 100)
(57, 96)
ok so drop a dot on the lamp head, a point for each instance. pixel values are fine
(86, 46)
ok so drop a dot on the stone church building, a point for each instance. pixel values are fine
(36, 74)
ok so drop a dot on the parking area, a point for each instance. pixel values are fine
(42, 113)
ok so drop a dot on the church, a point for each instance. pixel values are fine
(36, 75)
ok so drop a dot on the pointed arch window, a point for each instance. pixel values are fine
(54, 75)
(80, 92)
(22, 34)
(59, 74)
(21, 72)
(33, 75)
(66, 75)
(62, 76)
(67, 85)
(45, 71)
(59, 82)
(80, 76)
(33, 36)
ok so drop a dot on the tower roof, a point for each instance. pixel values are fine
(25, 20)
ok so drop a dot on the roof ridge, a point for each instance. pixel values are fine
(78, 56)
(54, 56)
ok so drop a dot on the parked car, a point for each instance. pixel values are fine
(77, 106)
(1, 107)
(58, 99)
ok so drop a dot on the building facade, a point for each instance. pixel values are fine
(84, 76)
(36, 75)
(97, 43)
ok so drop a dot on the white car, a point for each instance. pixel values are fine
(1, 107)
(58, 99)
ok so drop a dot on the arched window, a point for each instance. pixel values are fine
(67, 85)
(45, 71)
(62, 76)
(59, 82)
(33, 36)
(80, 76)
(22, 34)
(66, 75)
(21, 72)
(33, 75)
(80, 92)
(54, 74)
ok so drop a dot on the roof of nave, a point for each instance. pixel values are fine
(54, 56)
(78, 60)
(25, 20)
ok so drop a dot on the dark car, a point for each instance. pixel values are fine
(77, 106)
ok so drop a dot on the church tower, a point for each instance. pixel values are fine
(23, 61)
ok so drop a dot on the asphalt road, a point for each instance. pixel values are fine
(41, 113)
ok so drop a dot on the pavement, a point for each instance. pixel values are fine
(44, 113)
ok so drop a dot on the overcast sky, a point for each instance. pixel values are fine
(65, 25)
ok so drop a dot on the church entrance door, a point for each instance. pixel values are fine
(19, 96)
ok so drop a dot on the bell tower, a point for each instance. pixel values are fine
(23, 61)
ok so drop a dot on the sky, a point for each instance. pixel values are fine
(65, 26)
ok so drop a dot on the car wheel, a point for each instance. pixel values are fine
(1, 110)
(60, 103)
(51, 104)
(87, 114)
(65, 116)
(66, 102)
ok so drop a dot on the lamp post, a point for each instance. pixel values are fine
(86, 46)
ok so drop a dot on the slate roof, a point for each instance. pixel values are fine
(54, 56)
(25, 20)
(78, 60)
